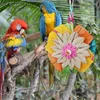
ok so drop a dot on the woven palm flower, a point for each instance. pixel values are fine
(70, 49)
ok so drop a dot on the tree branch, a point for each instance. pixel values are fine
(9, 87)
(10, 78)
(32, 37)
(69, 87)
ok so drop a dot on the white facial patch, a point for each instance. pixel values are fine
(18, 27)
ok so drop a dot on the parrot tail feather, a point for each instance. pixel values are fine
(2, 66)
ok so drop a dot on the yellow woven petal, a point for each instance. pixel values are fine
(84, 66)
(62, 29)
(50, 43)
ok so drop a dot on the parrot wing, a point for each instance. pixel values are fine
(16, 42)
(2, 65)
(58, 19)
(42, 27)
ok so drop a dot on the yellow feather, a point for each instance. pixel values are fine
(12, 41)
(50, 22)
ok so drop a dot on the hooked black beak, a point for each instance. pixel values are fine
(41, 10)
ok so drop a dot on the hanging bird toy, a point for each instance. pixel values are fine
(71, 47)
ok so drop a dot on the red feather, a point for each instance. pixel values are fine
(13, 28)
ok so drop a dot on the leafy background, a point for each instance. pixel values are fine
(86, 13)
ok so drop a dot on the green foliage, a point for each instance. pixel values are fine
(30, 12)
(23, 81)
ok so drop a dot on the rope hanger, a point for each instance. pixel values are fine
(71, 14)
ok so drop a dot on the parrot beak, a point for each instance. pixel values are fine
(22, 32)
(43, 9)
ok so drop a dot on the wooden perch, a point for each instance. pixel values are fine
(15, 60)
(32, 37)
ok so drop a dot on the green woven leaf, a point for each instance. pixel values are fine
(66, 70)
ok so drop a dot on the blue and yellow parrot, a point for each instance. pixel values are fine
(49, 19)
(13, 39)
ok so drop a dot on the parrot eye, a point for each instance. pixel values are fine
(18, 27)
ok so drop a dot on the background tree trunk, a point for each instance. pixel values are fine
(69, 87)
(9, 87)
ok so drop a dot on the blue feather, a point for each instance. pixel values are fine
(2, 65)
(23, 44)
(50, 7)
(42, 27)
(93, 46)
(2, 56)
(58, 19)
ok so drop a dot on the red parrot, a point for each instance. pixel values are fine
(16, 26)
(12, 41)
(16, 29)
